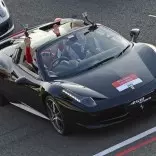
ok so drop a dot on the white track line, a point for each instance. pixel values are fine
(126, 142)
(152, 16)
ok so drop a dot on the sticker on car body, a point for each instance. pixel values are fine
(127, 82)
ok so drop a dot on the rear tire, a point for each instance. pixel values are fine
(3, 101)
(57, 118)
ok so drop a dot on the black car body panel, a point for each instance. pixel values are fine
(6, 24)
(5, 27)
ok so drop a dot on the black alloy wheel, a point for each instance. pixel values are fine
(56, 117)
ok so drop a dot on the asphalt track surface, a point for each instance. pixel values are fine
(24, 134)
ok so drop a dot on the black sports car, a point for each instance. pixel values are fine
(88, 75)
(6, 23)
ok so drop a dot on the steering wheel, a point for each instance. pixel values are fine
(58, 61)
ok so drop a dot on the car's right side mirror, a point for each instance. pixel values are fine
(134, 33)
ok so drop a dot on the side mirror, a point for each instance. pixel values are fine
(134, 33)
(25, 81)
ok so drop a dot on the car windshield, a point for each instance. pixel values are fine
(80, 50)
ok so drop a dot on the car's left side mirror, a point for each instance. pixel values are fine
(134, 33)
(25, 81)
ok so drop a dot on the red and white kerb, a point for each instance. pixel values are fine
(126, 82)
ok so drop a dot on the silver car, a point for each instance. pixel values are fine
(6, 24)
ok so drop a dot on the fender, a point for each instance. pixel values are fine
(55, 90)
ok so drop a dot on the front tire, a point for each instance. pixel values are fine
(57, 118)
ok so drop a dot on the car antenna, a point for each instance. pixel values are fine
(93, 25)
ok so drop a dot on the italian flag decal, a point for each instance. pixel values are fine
(127, 82)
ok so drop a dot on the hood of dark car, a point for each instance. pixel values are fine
(119, 76)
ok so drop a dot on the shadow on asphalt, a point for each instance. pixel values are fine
(117, 128)
(80, 132)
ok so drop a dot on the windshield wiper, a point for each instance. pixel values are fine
(118, 55)
(108, 59)
(91, 29)
(99, 63)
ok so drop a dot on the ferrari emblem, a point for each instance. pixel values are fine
(142, 107)
(131, 86)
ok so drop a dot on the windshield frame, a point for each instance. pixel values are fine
(51, 42)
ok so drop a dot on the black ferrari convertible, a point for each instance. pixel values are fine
(89, 75)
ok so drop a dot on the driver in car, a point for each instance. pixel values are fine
(69, 55)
